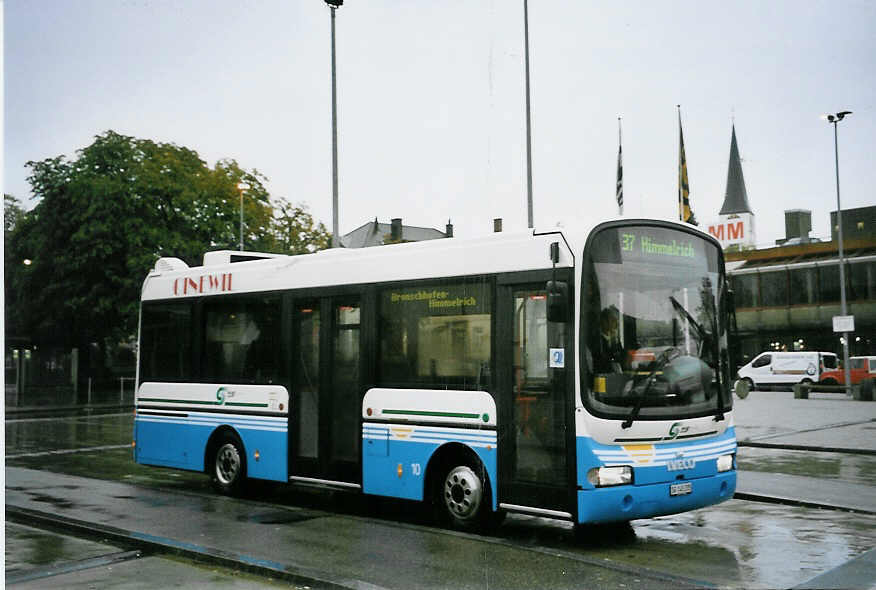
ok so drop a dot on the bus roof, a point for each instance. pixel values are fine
(243, 272)
(450, 257)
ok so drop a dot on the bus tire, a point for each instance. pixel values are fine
(228, 465)
(462, 497)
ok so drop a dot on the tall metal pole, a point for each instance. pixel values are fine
(528, 122)
(842, 273)
(240, 190)
(335, 239)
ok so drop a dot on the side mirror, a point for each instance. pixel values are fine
(557, 301)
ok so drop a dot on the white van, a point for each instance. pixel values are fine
(787, 368)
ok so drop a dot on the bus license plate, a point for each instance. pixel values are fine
(680, 489)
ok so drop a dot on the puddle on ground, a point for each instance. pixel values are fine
(772, 546)
(56, 502)
(859, 469)
(27, 547)
(35, 436)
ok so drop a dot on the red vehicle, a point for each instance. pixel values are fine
(860, 368)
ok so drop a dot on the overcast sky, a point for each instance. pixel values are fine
(431, 100)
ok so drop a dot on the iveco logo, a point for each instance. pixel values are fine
(680, 464)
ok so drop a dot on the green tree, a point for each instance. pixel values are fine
(12, 214)
(104, 218)
(295, 231)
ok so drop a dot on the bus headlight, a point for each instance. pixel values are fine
(610, 476)
(725, 463)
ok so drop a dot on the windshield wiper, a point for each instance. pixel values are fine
(680, 308)
(661, 362)
(640, 400)
(719, 414)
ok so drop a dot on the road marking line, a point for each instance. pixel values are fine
(68, 451)
(38, 573)
(68, 418)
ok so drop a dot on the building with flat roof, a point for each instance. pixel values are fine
(375, 233)
(787, 295)
(857, 223)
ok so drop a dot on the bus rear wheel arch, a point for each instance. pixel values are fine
(226, 462)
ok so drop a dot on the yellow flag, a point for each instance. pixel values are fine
(684, 212)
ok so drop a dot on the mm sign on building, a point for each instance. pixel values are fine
(733, 229)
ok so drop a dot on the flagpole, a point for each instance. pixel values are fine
(680, 210)
(620, 187)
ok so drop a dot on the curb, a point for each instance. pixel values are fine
(858, 572)
(848, 451)
(209, 555)
(793, 502)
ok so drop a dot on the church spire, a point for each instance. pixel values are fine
(736, 197)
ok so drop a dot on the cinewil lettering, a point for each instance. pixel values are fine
(215, 283)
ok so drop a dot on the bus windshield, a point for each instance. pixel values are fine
(655, 343)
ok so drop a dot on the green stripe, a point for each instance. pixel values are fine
(178, 401)
(202, 402)
(424, 413)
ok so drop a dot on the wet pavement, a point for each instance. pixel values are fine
(736, 544)
(826, 419)
(40, 559)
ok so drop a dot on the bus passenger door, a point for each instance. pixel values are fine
(533, 355)
(324, 429)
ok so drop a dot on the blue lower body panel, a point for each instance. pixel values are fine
(395, 460)
(629, 502)
(181, 442)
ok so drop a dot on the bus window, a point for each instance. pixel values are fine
(242, 340)
(437, 335)
(346, 399)
(166, 342)
(538, 407)
(306, 385)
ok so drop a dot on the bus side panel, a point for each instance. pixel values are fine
(272, 462)
(395, 458)
(181, 442)
(169, 443)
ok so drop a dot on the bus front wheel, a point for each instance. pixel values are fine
(229, 465)
(462, 497)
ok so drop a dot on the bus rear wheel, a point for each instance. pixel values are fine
(229, 465)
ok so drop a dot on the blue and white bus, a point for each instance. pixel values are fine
(580, 376)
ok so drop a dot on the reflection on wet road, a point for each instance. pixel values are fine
(859, 469)
(736, 543)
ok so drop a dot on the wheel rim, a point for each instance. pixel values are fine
(227, 464)
(463, 492)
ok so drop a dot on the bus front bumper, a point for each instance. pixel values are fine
(629, 502)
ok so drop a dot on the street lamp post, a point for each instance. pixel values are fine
(241, 186)
(834, 119)
(528, 123)
(334, 5)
